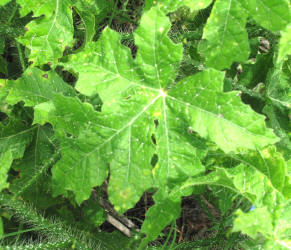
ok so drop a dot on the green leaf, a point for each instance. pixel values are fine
(34, 183)
(94, 214)
(11, 23)
(92, 13)
(167, 208)
(285, 44)
(243, 180)
(15, 137)
(269, 162)
(254, 222)
(278, 88)
(86, 158)
(48, 35)
(230, 127)
(259, 221)
(280, 121)
(82, 159)
(136, 93)
(282, 227)
(36, 86)
(257, 188)
(278, 12)
(225, 29)
(5, 162)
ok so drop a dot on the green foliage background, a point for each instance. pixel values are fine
(114, 99)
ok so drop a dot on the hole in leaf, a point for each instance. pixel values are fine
(154, 160)
(67, 76)
(154, 139)
(46, 67)
(156, 123)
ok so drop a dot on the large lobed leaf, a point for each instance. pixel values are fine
(141, 99)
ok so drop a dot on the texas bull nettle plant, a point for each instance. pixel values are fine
(106, 102)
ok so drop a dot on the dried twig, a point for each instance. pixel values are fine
(117, 224)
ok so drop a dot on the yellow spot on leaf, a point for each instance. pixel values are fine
(158, 113)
